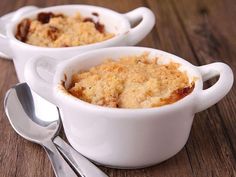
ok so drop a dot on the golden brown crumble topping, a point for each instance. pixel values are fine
(131, 82)
(58, 30)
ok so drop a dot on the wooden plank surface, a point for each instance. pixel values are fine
(201, 31)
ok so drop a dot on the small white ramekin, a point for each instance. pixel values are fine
(119, 24)
(126, 138)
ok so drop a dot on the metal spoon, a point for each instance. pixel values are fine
(22, 114)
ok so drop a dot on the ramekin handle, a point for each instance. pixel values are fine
(4, 41)
(39, 73)
(17, 14)
(146, 24)
(5, 50)
(216, 92)
(5, 47)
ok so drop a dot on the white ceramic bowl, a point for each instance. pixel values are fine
(119, 24)
(126, 138)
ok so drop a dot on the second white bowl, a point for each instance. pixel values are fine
(119, 24)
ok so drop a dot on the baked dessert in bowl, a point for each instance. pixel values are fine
(127, 137)
(131, 82)
(59, 31)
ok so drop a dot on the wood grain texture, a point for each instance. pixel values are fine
(201, 31)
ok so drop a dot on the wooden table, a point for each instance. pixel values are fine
(201, 31)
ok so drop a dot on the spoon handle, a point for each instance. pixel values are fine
(60, 166)
(83, 166)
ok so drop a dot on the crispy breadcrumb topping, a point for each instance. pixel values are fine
(131, 82)
(58, 30)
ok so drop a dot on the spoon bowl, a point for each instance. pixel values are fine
(19, 106)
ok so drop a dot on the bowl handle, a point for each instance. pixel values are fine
(39, 73)
(216, 92)
(5, 48)
(146, 24)
(20, 12)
